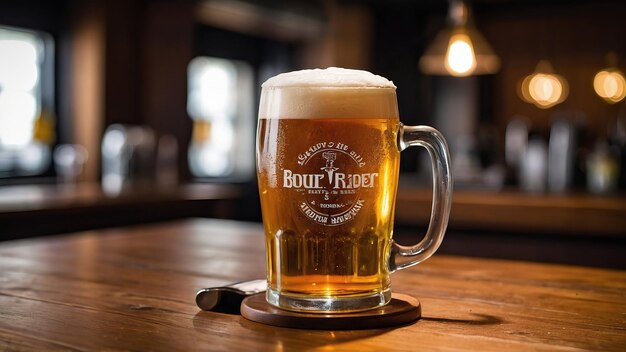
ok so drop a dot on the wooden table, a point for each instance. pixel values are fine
(133, 289)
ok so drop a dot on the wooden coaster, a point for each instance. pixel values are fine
(402, 309)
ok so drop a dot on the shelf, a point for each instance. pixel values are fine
(513, 211)
(35, 210)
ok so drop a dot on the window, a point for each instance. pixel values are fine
(26, 102)
(220, 102)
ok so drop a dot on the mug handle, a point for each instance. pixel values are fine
(431, 139)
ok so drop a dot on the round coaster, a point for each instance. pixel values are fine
(402, 309)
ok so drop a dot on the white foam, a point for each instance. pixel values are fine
(329, 77)
(328, 93)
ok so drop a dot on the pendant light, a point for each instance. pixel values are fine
(459, 49)
(609, 83)
(544, 88)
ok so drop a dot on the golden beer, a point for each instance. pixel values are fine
(328, 238)
(327, 167)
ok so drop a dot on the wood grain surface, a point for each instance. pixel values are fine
(133, 289)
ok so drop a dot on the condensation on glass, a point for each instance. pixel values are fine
(26, 101)
(220, 101)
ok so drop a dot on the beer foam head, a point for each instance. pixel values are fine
(328, 93)
(329, 77)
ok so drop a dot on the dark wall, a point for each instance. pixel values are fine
(48, 16)
(124, 24)
(402, 32)
(574, 35)
(148, 47)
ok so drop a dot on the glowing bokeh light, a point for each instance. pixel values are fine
(460, 57)
(217, 92)
(610, 85)
(543, 88)
(212, 92)
(19, 88)
(26, 128)
(18, 65)
(18, 111)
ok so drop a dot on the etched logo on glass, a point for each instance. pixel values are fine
(329, 197)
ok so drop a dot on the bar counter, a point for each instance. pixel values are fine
(576, 214)
(133, 288)
(85, 206)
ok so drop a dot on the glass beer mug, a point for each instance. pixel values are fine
(328, 155)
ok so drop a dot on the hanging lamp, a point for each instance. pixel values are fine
(609, 83)
(544, 88)
(459, 49)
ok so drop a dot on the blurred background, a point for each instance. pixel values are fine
(123, 112)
